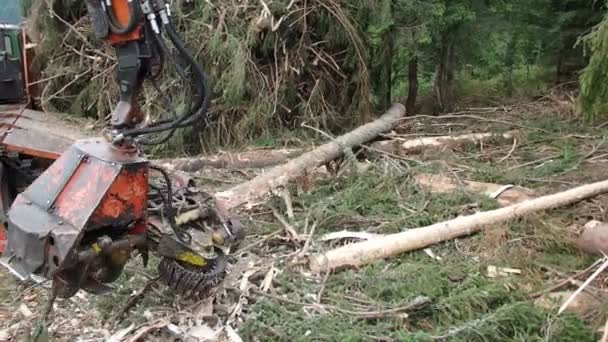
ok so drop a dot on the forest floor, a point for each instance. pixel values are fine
(269, 295)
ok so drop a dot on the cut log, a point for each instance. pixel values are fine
(363, 253)
(413, 146)
(253, 159)
(282, 174)
(504, 194)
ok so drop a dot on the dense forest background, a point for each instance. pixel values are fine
(277, 64)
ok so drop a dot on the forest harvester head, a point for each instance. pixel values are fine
(81, 219)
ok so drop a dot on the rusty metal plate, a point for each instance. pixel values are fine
(36, 133)
(49, 123)
(4, 204)
(35, 143)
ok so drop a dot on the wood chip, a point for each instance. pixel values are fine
(500, 190)
(494, 272)
(120, 334)
(345, 234)
(145, 330)
(25, 311)
(268, 279)
(203, 333)
(232, 335)
(432, 254)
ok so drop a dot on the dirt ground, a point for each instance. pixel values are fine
(451, 293)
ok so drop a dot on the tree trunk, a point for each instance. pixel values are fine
(260, 158)
(281, 175)
(443, 89)
(362, 253)
(559, 65)
(416, 145)
(388, 64)
(412, 91)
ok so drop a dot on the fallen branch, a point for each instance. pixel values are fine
(363, 253)
(568, 279)
(243, 160)
(582, 287)
(505, 195)
(414, 145)
(416, 304)
(281, 175)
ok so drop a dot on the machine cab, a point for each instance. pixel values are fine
(11, 70)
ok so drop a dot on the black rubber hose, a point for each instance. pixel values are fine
(165, 51)
(202, 88)
(202, 100)
(197, 70)
(182, 72)
(186, 112)
(169, 210)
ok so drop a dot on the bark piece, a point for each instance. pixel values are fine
(504, 195)
(412, 146)
(252, 159)
(594, 239)
(366, 252)
(282, 174)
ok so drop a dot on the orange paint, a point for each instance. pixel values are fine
(32, 152)
(80, 196)
(133, 35)
(121, 12)
(127, 197)
(106, 188)
(2, 238)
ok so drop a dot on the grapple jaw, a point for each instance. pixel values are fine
(93, 190)
(38, 242)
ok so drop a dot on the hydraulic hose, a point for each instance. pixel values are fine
(182, 235)
(200, 107)
(187, 110)
(201, 84)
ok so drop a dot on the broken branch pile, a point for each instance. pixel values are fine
(269, 68)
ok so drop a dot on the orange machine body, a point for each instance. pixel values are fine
(94, 189)
(121, 11)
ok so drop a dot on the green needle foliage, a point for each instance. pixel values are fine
(276, 64)
(593, 100)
